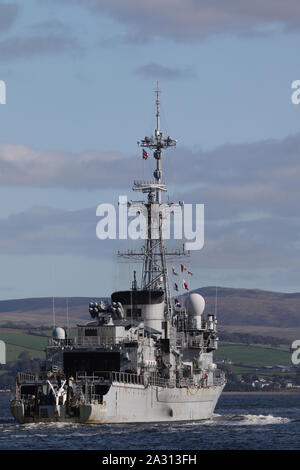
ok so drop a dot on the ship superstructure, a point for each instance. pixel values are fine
(145, 356)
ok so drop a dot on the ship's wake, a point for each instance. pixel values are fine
(218, 420)
(247, 419)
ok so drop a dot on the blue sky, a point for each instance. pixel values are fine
(80, 78)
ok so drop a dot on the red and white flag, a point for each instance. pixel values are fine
(183, 268)
(184, 285)
(174, 272)
(145, 154)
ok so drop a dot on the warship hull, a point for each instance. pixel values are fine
(126, 403)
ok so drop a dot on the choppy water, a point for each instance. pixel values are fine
(240, 422)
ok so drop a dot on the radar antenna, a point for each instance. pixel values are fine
(154, 254)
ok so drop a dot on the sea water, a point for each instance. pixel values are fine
(241, 421)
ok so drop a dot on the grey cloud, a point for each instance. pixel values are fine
(24, 166)
(251, 178)
(7, 289)
(8, 14)
(158, 71)
(265, 244)
(250, 192)
(23, 47)
(50, 26)
(183, 20)
(130, 38)
(46, 230)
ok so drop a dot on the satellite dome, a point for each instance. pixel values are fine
(195, 305)
(58, 333)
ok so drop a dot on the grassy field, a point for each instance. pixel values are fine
(18, 341)
(254, 355)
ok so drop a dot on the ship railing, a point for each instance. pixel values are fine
(61, 342)
(107, 377)
(171, 383)
(218, 377)
(97, 341)
(160, 382)
(196, 343)
(97, 398)
(127, 378)
(185, 383)
(93, 341)
(97, 376)
(153, 380)
(134, 379)
(26, 377)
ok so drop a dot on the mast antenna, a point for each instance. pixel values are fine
(68, 323)
(216, 301)
(157, 92)
(53, 312)
(53, 295)
(154, 254)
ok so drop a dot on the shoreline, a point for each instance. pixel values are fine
(260, 392)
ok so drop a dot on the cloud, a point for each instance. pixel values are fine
(48, 230)
(8, 15)
(45, 37)
(184, 20)
(158, 71)
(37, 45)
(232, 180)
(44, 230)
(7, 289)
(250, 191)
(250, 178)
(262, 244)
(50, 25)
(24, 166)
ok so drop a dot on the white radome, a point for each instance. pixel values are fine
(58, 333)
(195, 304)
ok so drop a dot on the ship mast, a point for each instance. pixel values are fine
(158, 156)
(154, 255)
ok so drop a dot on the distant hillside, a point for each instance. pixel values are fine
(246, 308)
(39, 311)
(253, 307)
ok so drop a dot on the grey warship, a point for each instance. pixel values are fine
(145, 356)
